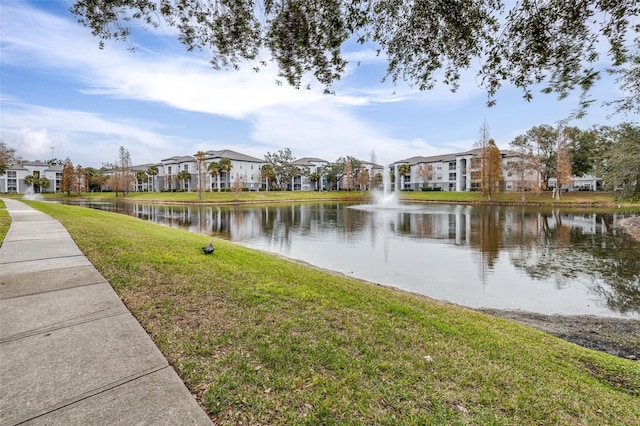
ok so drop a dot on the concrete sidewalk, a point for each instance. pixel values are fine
(70, 351)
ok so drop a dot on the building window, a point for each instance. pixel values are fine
(452, 176)
(452, 165)
(12, 181)
(185, 167)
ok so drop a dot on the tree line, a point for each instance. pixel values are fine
(559, 152)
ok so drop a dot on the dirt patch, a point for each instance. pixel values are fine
(615, 336)
(631, 225)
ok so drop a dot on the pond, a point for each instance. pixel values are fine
(546, 260)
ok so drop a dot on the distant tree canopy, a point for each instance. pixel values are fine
(281, 168)
(551, 42)
(7, 157)
(619, 161)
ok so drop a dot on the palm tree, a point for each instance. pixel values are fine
(214, 171)
(225, 166)
(31, 180)
(44, 183)
(315, 178)
(267, 173)
(152, 171)
(141, 177)
(403, 170)
(184, 176)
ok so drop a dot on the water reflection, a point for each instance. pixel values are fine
(543, 260)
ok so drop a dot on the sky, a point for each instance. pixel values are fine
(61, 96)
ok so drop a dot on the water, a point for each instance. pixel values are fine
(551, 261)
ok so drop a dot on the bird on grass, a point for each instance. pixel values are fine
(208, 249)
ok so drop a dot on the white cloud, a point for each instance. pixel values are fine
(86, 138)
(35, 143)
(330, 133)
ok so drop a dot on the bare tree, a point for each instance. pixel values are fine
(68, 174)
(347, 176)
(563, 160)
(236, 187)
(79, 180)
(363, 180)
(491, 169)
(201, 169)
(425, 171)
(523, 165)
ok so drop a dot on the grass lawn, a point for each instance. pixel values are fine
(568, 198)
(5, 221)
(263, 340)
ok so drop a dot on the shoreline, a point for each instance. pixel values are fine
(615, 336)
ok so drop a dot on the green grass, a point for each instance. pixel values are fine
(569, 198)
(263, 340)
(226, 197)
(5, 221)
(543, 198)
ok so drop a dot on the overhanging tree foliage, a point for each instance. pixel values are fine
(628, 77)
(525, 43)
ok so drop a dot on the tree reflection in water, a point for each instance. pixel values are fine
(569, 247)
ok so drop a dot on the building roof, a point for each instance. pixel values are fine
(34, 164)
(24, 165)
(412, 161)
(231, 155)
(309, 161)
(178, 159)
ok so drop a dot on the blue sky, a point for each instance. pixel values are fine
(58, 89)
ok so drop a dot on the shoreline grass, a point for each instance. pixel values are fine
(5, 221)
(263, 340)
(601, 199)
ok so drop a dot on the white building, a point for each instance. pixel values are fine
(13, 181)
(460, 172)
(311, 166)
(244, 168)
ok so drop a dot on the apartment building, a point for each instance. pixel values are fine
(449, 172)
(461, 172)
(311, 167)
(244, 168)
(13, 181)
